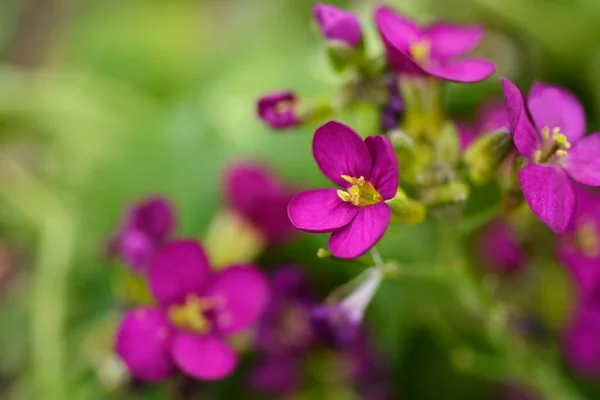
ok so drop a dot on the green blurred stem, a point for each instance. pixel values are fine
(56, 232)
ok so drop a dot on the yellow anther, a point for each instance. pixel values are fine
(588, 239)
(546, 132)
(360, 181)
(345, 196)
(537, 156)
(561, 153)
(555, 131)
(560, 139)
(349, 179)
(190, 315)
(377, 197)
(420, 51)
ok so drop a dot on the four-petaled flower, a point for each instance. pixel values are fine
(260, 198)
(367, 173)
(336, 24)
(549, 131)
(196, 310)
(145, 227)
(278, 110)
(432, 50)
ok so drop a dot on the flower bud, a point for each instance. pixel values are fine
(338, 25)
(406, 210)
(485, 155)
(278, 109)
(447, 194)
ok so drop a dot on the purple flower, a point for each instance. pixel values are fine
(499, 248)
(392, 112)
(579, 247)
(367, 173)
(490, 117)
(433, 50)
(285, 326)
(197, 309)
(145, 228)
(581, 342)
(549, 131)
(278, 109)
(260, 198)
(339, 25)
(279, 375)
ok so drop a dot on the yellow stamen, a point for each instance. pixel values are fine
(191, 315)
(420, 51)
(361, 193)
(561, 153)
(546, 132)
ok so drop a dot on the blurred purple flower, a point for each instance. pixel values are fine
(339, 25)
(434, 50)
(581, 342)
(579, 247)
(357, 215)
(261, 198)
(145, 228)
(499, 248)
(549, 131)
(278, 375)
(278, 109)
(491, 116)
(196, 310)
(391, 113)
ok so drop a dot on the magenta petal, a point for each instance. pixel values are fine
(582, 162)
(468, 70)
(553, 106)
(385, 174)
(244, 292)
(449, 40)
(320, 210)
(526, 137)
(203, 357)
(143, 341)
(399, 31)
(339, 150)
(178, 269)
(362, 233)
(549, 193)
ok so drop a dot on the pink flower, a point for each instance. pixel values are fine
(367, 173)
(433, 50)
(549, 131)
(500, 249)
(278, 109)
(197, 309)
(339, 25)
(581, 341)
(258, 196)
(145, 227)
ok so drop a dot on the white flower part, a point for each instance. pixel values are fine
(356, 303)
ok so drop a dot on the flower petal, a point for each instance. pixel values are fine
(553, 106)
(468, 70)
(143, 341)
(385, 173)
(450, 40)
(203, 357)
(549, 193)
(244, 291)
(178, 269)
(525, 135)
(582, 162)
(320, 210)
(360, 235)
(399, 31)
(336, 24)
(339, 150)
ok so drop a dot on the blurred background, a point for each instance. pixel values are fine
(103, 102)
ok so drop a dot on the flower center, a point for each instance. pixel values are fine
(191, 315)
(554, 145)
(361, 193)
(587, 238)
(284, 106)
(420, 51)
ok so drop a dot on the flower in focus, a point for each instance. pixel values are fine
(356, 214)
(338, 25)
(549, 131)
(145, 228)
(500, 249)
(260, 198)
(579, 247)
(581, 344)
(197, 309)
(490, 117)
(433, 50)
(278, 110)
